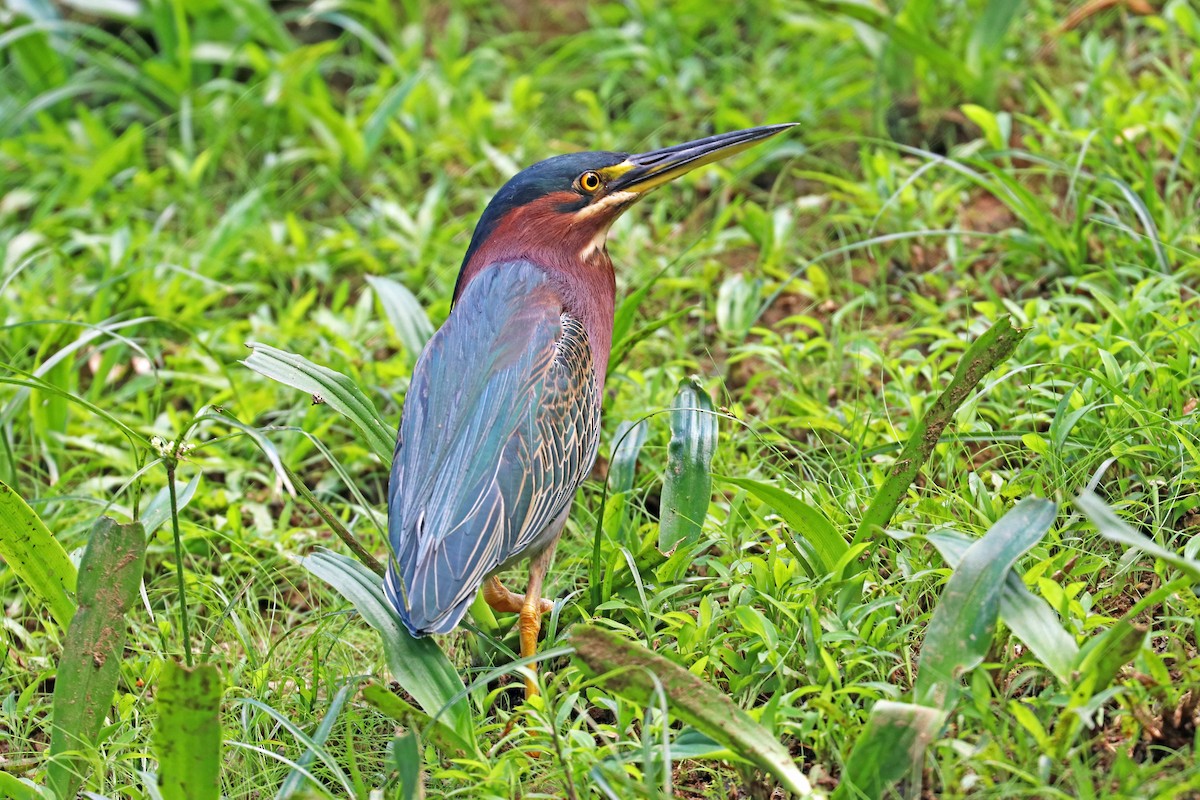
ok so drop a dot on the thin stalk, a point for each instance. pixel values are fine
(183, 612)
(334, 523)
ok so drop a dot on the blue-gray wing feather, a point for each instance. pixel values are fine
(500, 426)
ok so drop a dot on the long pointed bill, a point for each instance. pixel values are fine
(641, 173)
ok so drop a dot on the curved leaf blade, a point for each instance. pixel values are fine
(405, 313)
(419, 665)
(626, 668)
(804, 520)
(334, 388)
(964, 622)
(32, 552)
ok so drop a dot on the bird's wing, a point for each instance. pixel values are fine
(500, 426)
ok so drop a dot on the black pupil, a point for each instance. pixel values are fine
(590, 181)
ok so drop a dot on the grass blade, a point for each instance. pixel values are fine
(377, 123)
(110, 575)
(406, 758)
(187, 736)
(996, 344)
(687, 485)
(1115, 529)
(295, 779)
(964, 622)
(404, 312)
(419, 665)
(807, 524)
(335, 388)
(629, 670)
(158, 510)
(36, 557)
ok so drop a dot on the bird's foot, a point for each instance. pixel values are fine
(505, 601)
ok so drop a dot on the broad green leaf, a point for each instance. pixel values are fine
(16, 788)
(332, 387)
(1029, 617)
(1102, 660)
(187, 735)
(981, 357)
(110, 575)
(36, 557)
(809, 525)
(890, 746)
(404, 312)
(419, 665)
(687, 485)
(1115, 529)
(630, 670)
(964, 621)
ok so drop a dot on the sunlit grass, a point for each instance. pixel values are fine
(167, 195)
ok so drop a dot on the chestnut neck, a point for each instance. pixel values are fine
(570, 250)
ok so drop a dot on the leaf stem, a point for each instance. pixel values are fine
(171, 463)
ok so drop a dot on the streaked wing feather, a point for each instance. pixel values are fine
(500, 426)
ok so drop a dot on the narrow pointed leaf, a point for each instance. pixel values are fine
(628, 669)
(404, 312)
(1115, 529)
(687, 485)
(187, 736)
(334, 388)
(158, 510)
(964, 621)
(110, 575)
(806, 522)
(30, 551)
(628, 441)
(295, 779)
(377, 124)
(419, 665)
(981, 357)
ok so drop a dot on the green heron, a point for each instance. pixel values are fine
(502, 418)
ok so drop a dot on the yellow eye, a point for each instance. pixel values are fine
(589, 181)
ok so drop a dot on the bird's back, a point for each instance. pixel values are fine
(500, 426)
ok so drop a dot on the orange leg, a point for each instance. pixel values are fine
(532, 609)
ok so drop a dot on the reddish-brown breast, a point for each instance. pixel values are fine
(567, 246)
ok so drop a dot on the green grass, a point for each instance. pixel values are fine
(175, 185)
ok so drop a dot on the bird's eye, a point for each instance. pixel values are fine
(589, 181)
